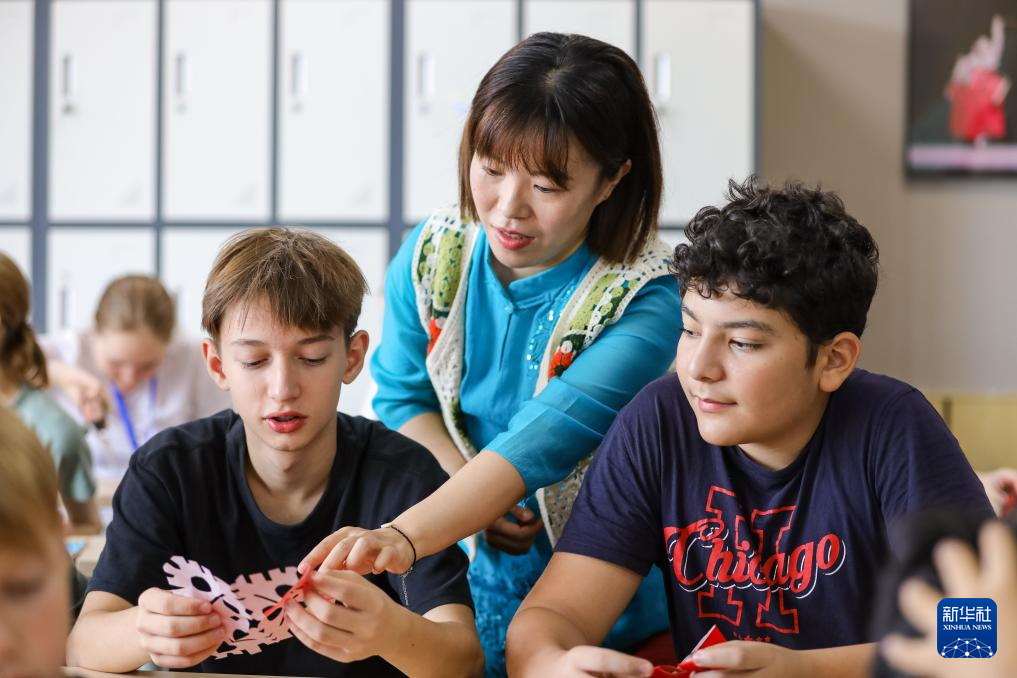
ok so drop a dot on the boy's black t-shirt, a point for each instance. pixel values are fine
(789, 556)
(185, 493)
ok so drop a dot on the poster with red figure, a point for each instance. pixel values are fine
(962, 110)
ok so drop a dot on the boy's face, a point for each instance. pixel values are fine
(743, 369)
(284, 381)
(34, 618)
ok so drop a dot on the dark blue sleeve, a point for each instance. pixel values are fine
(616, 517)
(141, 538)
(399, 479)
(917, 464)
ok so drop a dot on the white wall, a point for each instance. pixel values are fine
(833, 108)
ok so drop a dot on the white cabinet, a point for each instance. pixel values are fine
(187, 256)
(613, 21)
(82, 261)
(217, 67)
(16, 242)
(450, 44)
(102, 110)
(369, 248)
(698, 58)
(15, 110)
(333, 108)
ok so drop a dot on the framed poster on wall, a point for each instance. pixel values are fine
(962, 100)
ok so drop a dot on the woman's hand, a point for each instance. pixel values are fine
(344, 617)
(514, 538)
(362, 551)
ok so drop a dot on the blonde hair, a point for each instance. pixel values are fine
(29, 518)
(308, 281)
(21, 358)
(136, 302)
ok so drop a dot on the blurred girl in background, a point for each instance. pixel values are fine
(130, 377)
(23, 378)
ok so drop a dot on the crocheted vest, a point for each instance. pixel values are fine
(441, 261)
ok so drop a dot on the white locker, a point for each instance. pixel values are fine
(82, 261)
(698, 58)
(217, 67)
(187, 256)
(16, 46)
(450, 45)
(369, 248)
(16, 242)
(102, 110)
(333, 110)
(613, 21)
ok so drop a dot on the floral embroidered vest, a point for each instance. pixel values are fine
(441, 262)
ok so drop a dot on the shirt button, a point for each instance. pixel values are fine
(508, 309)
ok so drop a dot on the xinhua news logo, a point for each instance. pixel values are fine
(967, 628)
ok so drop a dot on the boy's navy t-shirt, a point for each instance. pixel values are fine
(186, 493)
(790, 556)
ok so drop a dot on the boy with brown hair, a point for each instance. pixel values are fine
(246, 492)
(34, 591)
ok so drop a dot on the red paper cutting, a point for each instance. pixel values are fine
(301, 583)
(687, 666)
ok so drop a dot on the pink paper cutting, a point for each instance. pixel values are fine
(182, 574)
(251, 608)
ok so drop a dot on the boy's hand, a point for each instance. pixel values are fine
(177, 632)
(362, 551)
(514, 538)
(356, 626)
(751, 660)
(962, 577)
(586, 661)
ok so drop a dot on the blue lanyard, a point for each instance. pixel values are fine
(125, 416)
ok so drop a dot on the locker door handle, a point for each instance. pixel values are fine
(65, 300)
(67, 84)
(425, 80)
(662, 78)
(298, 81)
(180, 81)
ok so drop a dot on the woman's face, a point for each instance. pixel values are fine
(34, 618)
(531, 223)
(128, 358)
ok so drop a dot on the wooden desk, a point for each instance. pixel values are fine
(89, 555)
(104, 492)
(85, 673)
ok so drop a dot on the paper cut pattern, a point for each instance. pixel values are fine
(687, 666)
(251, 608)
